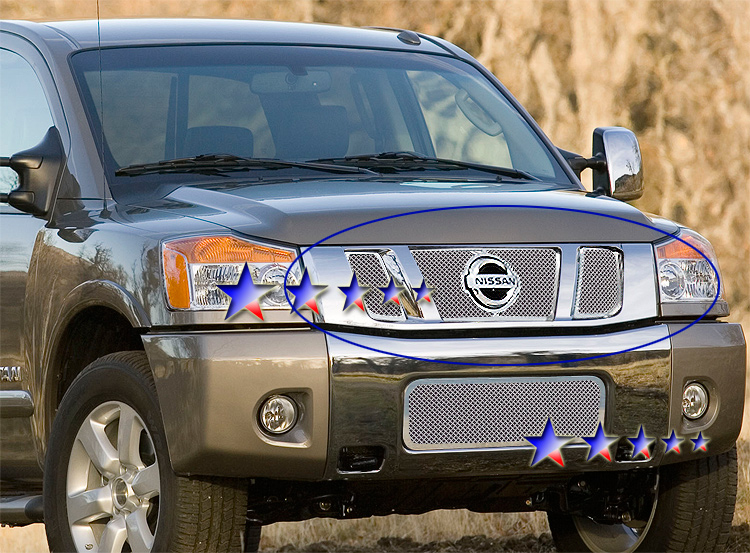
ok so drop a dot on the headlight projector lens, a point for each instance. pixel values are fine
(694, 401)
(671, 280)
(278, 414)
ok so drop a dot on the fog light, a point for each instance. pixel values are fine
(278, 414)
(694, 401)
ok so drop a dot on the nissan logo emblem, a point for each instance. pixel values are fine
(491, 282)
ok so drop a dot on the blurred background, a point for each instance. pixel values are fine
(676, 72)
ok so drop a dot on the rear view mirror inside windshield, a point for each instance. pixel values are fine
(475, 113)
(276, 82)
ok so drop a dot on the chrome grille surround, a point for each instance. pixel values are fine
(440, 413)
(371, 271)
(538, 270)
(599, 283)
(329, 265)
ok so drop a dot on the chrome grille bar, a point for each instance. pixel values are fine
(370, 271)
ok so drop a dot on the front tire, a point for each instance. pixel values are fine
(693, 512)
(108, 480)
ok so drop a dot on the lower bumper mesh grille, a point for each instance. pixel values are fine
(499, 412)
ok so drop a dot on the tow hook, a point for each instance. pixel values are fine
(334, 505)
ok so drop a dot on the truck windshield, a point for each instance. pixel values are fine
(335, 106)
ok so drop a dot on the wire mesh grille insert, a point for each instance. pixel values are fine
(370, 272)
(499, 412)
(599, 283)
(538, 274)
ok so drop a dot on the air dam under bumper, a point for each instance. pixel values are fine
(210, 385)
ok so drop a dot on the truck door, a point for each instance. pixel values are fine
(25, 117)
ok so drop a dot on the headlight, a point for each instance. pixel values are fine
(684, 274)
(194, 266)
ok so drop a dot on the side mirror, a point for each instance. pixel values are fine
(39, 170)
(622, 175)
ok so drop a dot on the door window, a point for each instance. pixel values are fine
(24, 113)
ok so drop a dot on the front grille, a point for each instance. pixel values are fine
(599, 283)
(537, 270)
(499, 412)
(371, 272)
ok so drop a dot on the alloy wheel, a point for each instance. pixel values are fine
(113, 482)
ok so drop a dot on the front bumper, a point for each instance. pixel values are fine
(210, 385)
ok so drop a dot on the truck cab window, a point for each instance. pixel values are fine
(24, 113)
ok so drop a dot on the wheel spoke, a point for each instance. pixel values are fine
(146, 482)
(98, 448)
(129, 437)
(90, 505)
(140, 538)
(113, 536)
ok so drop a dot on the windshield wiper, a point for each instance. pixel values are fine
(410, 161)
(220, 163)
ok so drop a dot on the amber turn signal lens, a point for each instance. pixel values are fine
(227, 249)
(678, 250)
(176, 278)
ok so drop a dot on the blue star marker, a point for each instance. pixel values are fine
(547, 445)
(600, 444)
(245, 294)
(700, 443)
(354, 293)
(641, 444)
(391, 292)
(673, 442)
(423, 292)
(305, 293)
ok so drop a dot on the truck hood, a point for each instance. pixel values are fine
(305, 212)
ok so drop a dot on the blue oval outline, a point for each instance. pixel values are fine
(494, 206)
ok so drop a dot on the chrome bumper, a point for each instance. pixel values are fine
(210, 385)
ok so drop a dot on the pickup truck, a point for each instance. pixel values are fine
(257, 272)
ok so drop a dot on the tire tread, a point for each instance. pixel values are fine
(703, 503)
